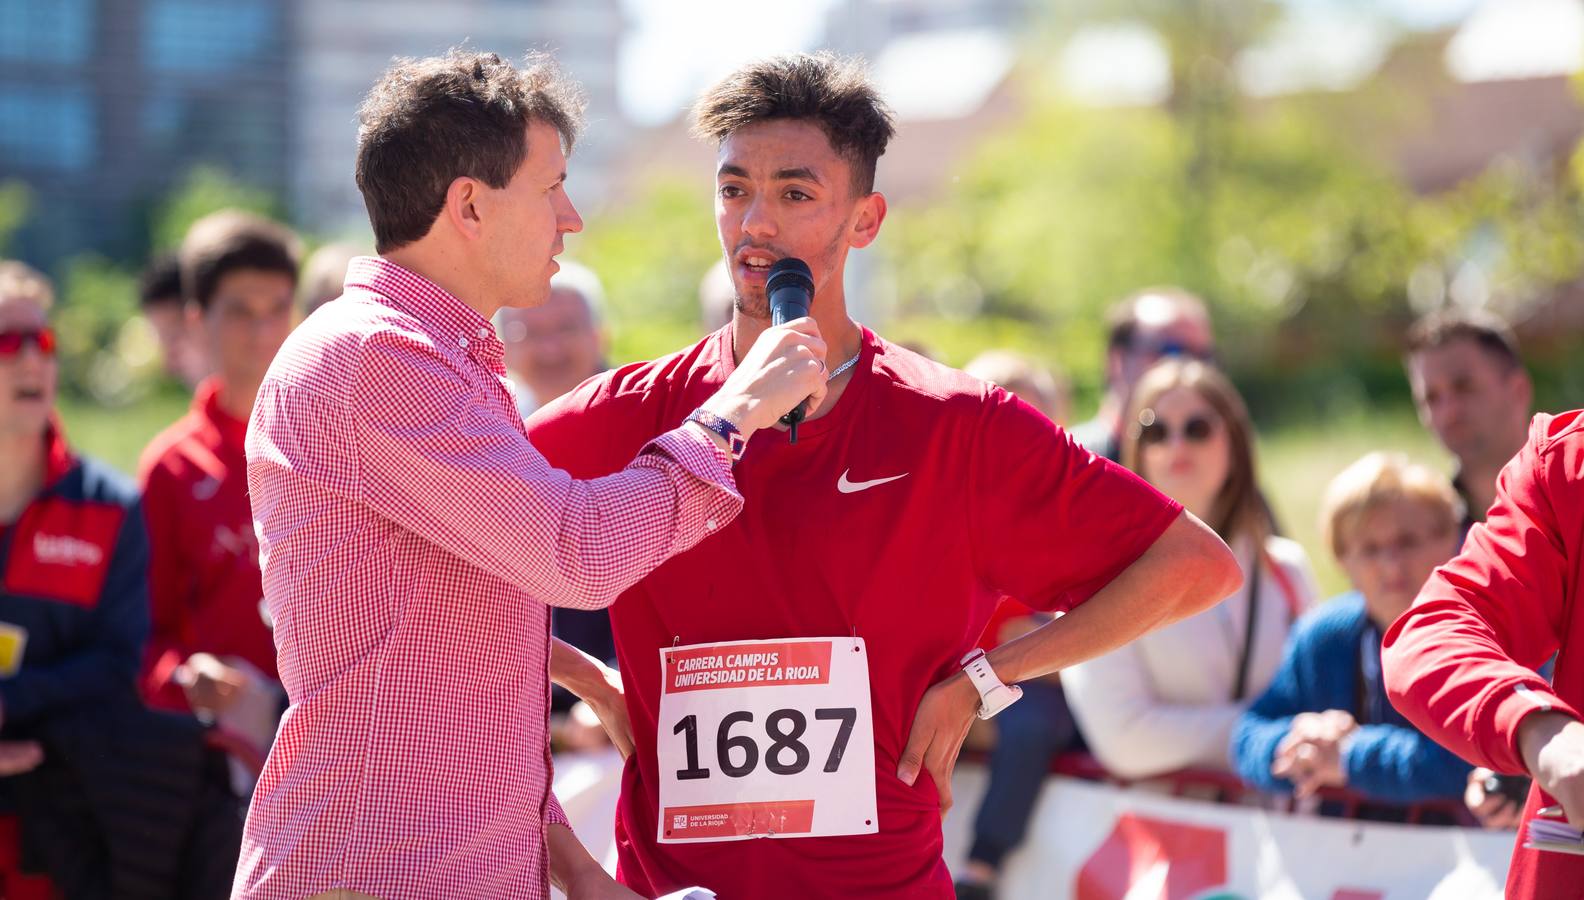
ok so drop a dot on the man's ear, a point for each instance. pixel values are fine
(1522, 389)
(866, 227)
(461, 211)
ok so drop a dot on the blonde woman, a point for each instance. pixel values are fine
(1325, 721)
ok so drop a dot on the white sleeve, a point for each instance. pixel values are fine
(1131, 731)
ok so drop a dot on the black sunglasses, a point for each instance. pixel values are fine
(1196, 430)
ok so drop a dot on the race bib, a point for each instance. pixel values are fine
(766, 739)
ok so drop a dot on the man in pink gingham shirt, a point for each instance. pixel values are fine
(411, 537)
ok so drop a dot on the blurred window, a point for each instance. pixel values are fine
(47, 127)
(49, 31)
(209, 36)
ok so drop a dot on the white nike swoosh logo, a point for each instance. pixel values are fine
(853, 487)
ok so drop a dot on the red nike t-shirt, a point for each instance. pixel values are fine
(901, 515)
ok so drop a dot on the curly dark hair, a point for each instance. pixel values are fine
(832, 91)
(430, 121)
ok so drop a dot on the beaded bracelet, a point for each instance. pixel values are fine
(735, 442)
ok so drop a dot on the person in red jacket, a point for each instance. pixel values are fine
(1460, 664)
(210, 648)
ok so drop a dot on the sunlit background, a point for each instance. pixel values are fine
(1321, 170)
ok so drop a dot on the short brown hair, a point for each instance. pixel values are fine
(428, 122)
(1376, 480)
(1122, 318)
(834, 92)
(229, 240)
(160, 282)
(1239, 508)
(20, 281)
(1486, 329)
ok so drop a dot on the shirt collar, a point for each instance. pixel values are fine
(450, 320)
(206, 407)
(58, 457)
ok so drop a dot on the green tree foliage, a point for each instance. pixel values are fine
(651, 254)
(108, 353)
(15, 201)
(206, 189)
(1284, 213)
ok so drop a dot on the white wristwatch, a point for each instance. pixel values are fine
(993, 695)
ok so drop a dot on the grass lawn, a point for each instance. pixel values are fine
(118, 435)
(1296, 463)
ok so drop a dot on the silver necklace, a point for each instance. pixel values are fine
(844, 366)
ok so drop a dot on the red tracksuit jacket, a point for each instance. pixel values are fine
(1460, 663)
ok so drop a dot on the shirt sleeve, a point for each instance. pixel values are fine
(594, 429)
(1460, 664)
(107, 659)
(554, 814)
(1131, 730)
(1261, 730)
(170, 584)
(1400, 765)
(1051, 522)
(435, 456)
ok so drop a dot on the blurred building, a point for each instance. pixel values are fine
(106, 105)
(343, 46)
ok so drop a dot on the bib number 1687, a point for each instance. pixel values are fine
(786, 754)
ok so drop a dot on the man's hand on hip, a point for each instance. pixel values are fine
(939, 726)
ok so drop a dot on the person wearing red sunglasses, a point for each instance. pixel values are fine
(73, 611)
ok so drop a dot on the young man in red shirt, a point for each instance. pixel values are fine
(1460, 664)
(793, 677)
(210, 648)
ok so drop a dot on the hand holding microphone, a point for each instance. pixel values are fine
(784, 369)
(790, 290)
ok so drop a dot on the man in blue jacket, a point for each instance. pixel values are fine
(1325, 720)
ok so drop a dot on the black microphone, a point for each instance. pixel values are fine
(790, 289)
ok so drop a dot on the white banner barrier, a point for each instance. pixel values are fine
(1090, 841)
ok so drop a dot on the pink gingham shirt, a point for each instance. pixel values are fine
(411, 539)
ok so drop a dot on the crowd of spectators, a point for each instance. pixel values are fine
(137, 663)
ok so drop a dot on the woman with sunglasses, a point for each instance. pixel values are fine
(1168, 701)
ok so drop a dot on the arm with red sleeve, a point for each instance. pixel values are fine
(417, 443)
(1460, 664)
(595, 428)
(170, 584)
(1059, 528)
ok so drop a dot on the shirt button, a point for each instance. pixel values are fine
(710, 524)
(462, 342)
(483, 333)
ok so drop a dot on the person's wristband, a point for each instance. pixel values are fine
(735, 442)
